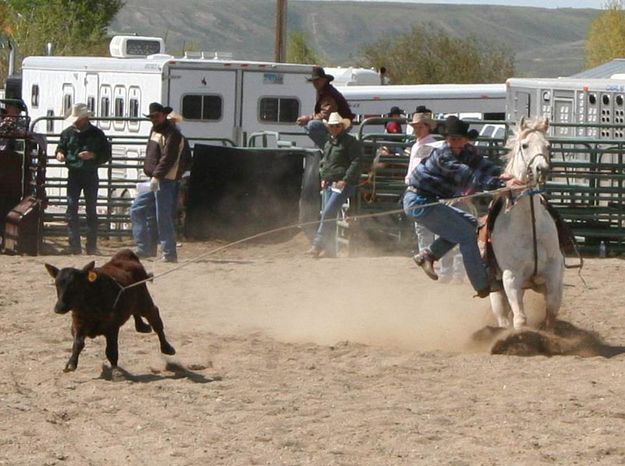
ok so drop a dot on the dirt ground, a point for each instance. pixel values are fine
(286, 360)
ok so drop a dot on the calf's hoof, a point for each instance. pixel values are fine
(70, 367)
(168, 349)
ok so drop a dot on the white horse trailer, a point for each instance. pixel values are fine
(487, 101)
(588, 102)
(217, 98)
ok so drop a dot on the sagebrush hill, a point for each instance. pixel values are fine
(545, 42)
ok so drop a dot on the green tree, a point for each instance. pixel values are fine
(298, 50)
(74, 27)
(606, 35)
(426, 55)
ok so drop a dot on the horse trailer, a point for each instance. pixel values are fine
(587, 108)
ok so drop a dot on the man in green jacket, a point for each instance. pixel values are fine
(339, 172)
(83, 147)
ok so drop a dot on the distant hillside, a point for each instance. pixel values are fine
(546, 42)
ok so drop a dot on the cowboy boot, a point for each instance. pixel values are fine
(425, 260)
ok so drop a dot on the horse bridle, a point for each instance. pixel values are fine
(531, 192)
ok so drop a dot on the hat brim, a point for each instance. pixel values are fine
(74, 118)
(166, 111)
(344, 122)
(431, 123)
(329, 77)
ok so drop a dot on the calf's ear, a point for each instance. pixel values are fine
(52, 270)
(89, 266)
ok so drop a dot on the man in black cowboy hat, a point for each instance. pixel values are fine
(329, 100)
(167, 156)
(449, 171)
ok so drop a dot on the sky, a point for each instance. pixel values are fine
(597, 4)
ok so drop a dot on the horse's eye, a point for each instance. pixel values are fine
(525, 145)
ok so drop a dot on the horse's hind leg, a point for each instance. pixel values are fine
(501, 308)
(514, 291)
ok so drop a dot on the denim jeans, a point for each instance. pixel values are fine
(318, 132)
(144, 225)
(87, 182)
(156, 211)
(325, 238)
(453, 226)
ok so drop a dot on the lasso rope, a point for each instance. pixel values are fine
(449, 201)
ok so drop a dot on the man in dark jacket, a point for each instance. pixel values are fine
(83, 147)
(167, 156)
(329, 100)
(339, 172)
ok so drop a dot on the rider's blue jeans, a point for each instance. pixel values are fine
(453, 226)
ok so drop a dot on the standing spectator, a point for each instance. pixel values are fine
(394, 127)
(329, 100)
(83, 147)
(422, 124)
(167, 156)
(447, 172)
(339, 172)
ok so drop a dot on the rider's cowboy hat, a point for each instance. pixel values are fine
(318, 72)
(454, 126)
(336, 119)
(78, 111)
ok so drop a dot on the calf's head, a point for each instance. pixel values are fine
(72, 285)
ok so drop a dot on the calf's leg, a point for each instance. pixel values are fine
(111, 347)
(77, 347)
(140, 325)
(155, 321)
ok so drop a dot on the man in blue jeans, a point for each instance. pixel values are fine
(167, 157)
(339, 172)
(450, 171)
(83, 148)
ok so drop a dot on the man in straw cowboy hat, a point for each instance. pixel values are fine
(447, 172)
(167, 157)
(83, 148)
(329, 100)
(339, 171)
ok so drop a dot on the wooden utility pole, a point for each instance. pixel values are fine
(280, 46)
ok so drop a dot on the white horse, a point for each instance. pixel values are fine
(524, 236)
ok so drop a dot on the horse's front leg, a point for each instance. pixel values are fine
(501, 308)
(553, 297)
(513, 285)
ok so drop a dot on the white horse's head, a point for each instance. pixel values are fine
(528, 159)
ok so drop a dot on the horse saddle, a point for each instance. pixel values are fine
(487, 223)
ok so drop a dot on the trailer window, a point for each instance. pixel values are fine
(283, 110)
(67, 103)
(34, 96)
(91, 104)
(105, 108)
(201, 107)
(50, 121)
(119, 107)
(133, 108)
